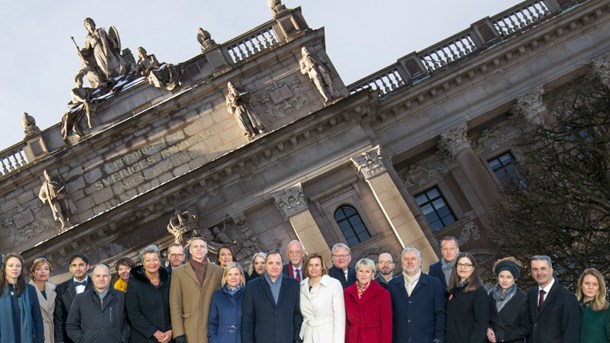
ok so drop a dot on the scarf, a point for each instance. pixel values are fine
(447, 268)
(25, 314)
(231, 290)
(362, 289)
(502, 297)
(200, 269)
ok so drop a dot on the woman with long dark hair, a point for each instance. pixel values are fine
(20, 318)
(468, 304)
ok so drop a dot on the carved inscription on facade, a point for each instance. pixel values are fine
(148, 162)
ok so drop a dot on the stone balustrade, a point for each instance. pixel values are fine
(258, 40)
(480, 36)
(12, 159)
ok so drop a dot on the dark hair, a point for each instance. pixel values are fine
(81, 256)
(474, 281)
(273, 252)
(308, 260)
(233, 259)
(124, 261)
(20, 284)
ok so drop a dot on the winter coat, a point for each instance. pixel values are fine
(512, 323)
(30, 322)
(147, 306)
(224, 324)
(369, 319)
(323, 310)
(467, 316)
(65, 295)
(47, 307)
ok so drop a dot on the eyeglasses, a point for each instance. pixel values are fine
(385, 262)
(176, 255)
(464, 265)
(341, 256)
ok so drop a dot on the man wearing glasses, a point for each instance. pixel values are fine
(385, 266)
(294, 267)
(175, 253)
(341, 269)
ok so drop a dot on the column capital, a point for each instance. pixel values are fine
(369, 163)
(530, 106)
(455, 140)
(290, 201)
(601, 66)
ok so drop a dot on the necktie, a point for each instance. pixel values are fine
(541, 299)
(297, 274)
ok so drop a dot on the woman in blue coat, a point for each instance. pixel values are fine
(224, 324)
(20, 317)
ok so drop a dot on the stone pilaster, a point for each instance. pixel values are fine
(292, 204)
(370, 166)
(530, 106)
(456, 144)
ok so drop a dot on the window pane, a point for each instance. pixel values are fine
(435, 209)
(351, 225)
(433, 193)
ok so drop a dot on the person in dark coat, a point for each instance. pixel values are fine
(224, 323)
(418, 303)
(66, 291)
(341, 270)
(554, 311)
(271, 310)
(148, 299)
(508, 310)
(468, 304)
(20, 316)
(257, 266)
(368, 309)
(591, 295)
(444, 268)
(98, 314)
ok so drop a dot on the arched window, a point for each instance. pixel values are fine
(351, 225)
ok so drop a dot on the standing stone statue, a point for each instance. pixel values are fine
(159, 75)
(103, 50)
(317, 73)
(53, 192)
(81, 108)
(237, 103)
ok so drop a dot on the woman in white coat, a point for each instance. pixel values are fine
(40, 272)
(322, 304)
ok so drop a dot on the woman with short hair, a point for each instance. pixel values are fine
(224, 323)
(40, 272)
(123, 268)
(20, 318)
(591, 294)
(322, 304)
(368, 307)
(147, 299)
(468, 303)
(225, 256)
(509, 315)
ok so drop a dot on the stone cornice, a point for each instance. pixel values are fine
(488, 61)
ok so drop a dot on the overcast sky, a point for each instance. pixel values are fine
(39, 60)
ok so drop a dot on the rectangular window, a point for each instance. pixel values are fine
(434, 207)
(504, 168)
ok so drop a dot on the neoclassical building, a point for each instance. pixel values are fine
(257, 141)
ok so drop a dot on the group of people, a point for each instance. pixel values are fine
(299, 301)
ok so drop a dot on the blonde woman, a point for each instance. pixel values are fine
(40, 273)
(224, 323)
(257, 266)
(591, 295)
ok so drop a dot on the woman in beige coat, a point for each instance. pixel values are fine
(40, 272)
(190, 294)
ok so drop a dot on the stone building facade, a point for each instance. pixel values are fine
(405, 156)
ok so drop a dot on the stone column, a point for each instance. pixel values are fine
(456, 145)
(293, 205)
(530, 106)
(370, 166)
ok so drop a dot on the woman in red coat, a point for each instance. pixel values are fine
(368, 308)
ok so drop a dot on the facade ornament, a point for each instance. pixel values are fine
(470, 230)
(102, 50)
(181, 224)
(318, 73)
(29, 125)
(369, 164)
(237, 101)
(53, 192)
(601, 67)
(530, 106)
(490, 140)
(205, 40)
(419, 174)
(290, 201)
(277, 8)
(159, 75)
(455, 140)
(249, 244)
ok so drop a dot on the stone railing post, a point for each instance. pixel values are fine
(369, 165)
(292, 204)
(289, 24)
(483, 32)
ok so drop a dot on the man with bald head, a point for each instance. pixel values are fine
(98, 315)
(294, 267)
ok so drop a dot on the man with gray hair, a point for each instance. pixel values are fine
(418, 302)
(98, 315)
(341, 270)
(554, 311)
